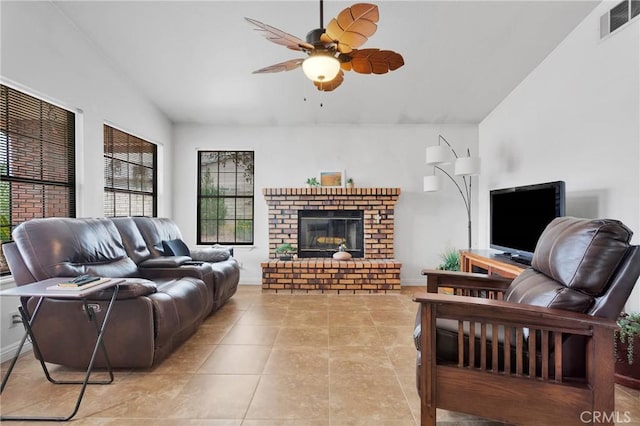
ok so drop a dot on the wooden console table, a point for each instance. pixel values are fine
(490, 262)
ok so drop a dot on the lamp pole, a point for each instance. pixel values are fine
(465, 190)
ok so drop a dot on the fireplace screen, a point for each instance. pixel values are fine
(320, 232)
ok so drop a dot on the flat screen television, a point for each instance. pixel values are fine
(520, 214)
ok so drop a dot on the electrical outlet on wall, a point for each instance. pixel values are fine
(14, 319)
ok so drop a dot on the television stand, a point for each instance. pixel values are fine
(490, 262)
(519, 259)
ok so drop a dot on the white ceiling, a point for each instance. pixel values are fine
(194, 59)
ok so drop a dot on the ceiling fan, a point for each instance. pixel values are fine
(332, 50)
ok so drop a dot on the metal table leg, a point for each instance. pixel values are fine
(100, 329)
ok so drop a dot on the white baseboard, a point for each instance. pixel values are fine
(7, 352)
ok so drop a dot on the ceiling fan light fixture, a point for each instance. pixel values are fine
(321, 67)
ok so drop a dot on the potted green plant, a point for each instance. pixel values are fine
(285, 251)
(350, 183)
(312, 182)
(627, 349)
(450, 260)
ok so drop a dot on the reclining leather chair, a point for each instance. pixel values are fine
(535, 350)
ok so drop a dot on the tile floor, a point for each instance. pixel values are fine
(267, 359)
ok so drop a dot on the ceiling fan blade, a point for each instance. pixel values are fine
(280, 37)
(353, 26)
(375, 61)
(330, 85)
(282, 66)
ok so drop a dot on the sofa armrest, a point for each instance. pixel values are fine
(211, 254)
(130, 289)
(466, 283)
(165, 262)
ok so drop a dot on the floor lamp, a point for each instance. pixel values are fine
(466, 167)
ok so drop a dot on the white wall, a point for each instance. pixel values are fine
(43, 55)
(575, 118)
(375, 156)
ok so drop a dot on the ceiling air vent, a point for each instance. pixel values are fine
(618, 16)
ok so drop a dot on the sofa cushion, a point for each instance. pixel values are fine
(175, 247)
(155, 230)
(134, 243)
(536, 289)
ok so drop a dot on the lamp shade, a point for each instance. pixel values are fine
(431, 183)
(467, 166)
(321, 67)
(437, 154)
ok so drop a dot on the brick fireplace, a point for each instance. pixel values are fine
(375, 272)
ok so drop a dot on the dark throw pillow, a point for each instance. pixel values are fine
(175, 248)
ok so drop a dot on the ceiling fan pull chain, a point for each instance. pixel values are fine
(321, 14)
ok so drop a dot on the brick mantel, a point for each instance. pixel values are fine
(377, 203)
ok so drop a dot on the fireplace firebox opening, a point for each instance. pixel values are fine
(321, 232)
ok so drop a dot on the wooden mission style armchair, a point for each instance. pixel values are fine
(536, 350)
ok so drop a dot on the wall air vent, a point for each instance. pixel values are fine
(619, 16)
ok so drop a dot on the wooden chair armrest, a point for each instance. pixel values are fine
(465, 281)
(515, 314)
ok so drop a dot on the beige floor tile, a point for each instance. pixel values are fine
(370, 397)
(224, 317)
(350, 318)
(236, 359)
(289, 397)
(97, 421)
(137, 395)
(206, 382)
(263, 315)
(347, 302)
(403, 359)
(376, 302)
(215, 396)
(209, 334)
(396, 335)
(271, 299)
(242, 334)
(357, 360)
(368, 422)
(186, 359)
(294, 422)
(297, 360)
(391, 317)
(304, 318)
(303, 336)
(354, 336)
(408, 385)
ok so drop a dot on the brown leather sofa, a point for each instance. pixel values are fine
(161, 304)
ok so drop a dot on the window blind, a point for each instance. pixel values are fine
(130, 165)
(37, 161)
